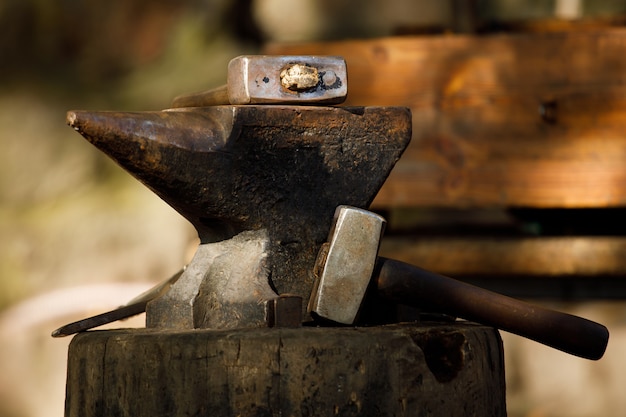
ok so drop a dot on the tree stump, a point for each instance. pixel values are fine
(446, 370)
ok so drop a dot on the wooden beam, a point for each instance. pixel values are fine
(502, 256)
(535, 120)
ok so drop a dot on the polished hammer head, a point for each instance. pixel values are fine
(265, 79)
(345, 264)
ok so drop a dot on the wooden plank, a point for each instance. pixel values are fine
(508, 256)
(564, 268)
(534, 120)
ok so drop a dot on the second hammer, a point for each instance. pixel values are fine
(265, 79)
(348, 265)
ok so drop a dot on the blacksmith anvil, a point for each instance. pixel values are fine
(261, 183)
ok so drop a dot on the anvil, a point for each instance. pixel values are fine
(259, 183)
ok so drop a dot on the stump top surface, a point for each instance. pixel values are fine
(396, 370)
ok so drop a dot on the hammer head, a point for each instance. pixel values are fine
(345, 264)
(264, 79)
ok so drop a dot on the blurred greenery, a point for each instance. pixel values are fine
(67, 54)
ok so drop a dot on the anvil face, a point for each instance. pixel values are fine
(284, 169)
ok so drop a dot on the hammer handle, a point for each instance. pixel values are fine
(215, 97)
(408, 284)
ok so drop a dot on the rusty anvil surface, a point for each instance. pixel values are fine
(259, 183)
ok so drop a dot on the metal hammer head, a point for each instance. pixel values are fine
(265, 79)
(345, 264)
(287, 79)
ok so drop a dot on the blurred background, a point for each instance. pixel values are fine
(80, 236)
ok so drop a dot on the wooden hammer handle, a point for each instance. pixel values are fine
(215, 97)
(407, 284)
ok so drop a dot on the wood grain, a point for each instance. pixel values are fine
(401, 370)
(556, 268)
(535, 120)
(501, 256)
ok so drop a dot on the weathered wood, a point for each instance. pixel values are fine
(503, 120)
(498, 256)
(400, 370)
(554, 267)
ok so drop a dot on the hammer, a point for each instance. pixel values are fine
(348, 265)
(265, 79)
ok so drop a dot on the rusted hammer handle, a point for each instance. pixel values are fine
(411, 285)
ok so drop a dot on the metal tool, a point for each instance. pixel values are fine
(282, 311)
(348, 265)
(134, 307)
(264, 79)
(260, 185)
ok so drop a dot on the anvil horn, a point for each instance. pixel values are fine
(165, 151)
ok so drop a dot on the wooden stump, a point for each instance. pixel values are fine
(399, 370)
